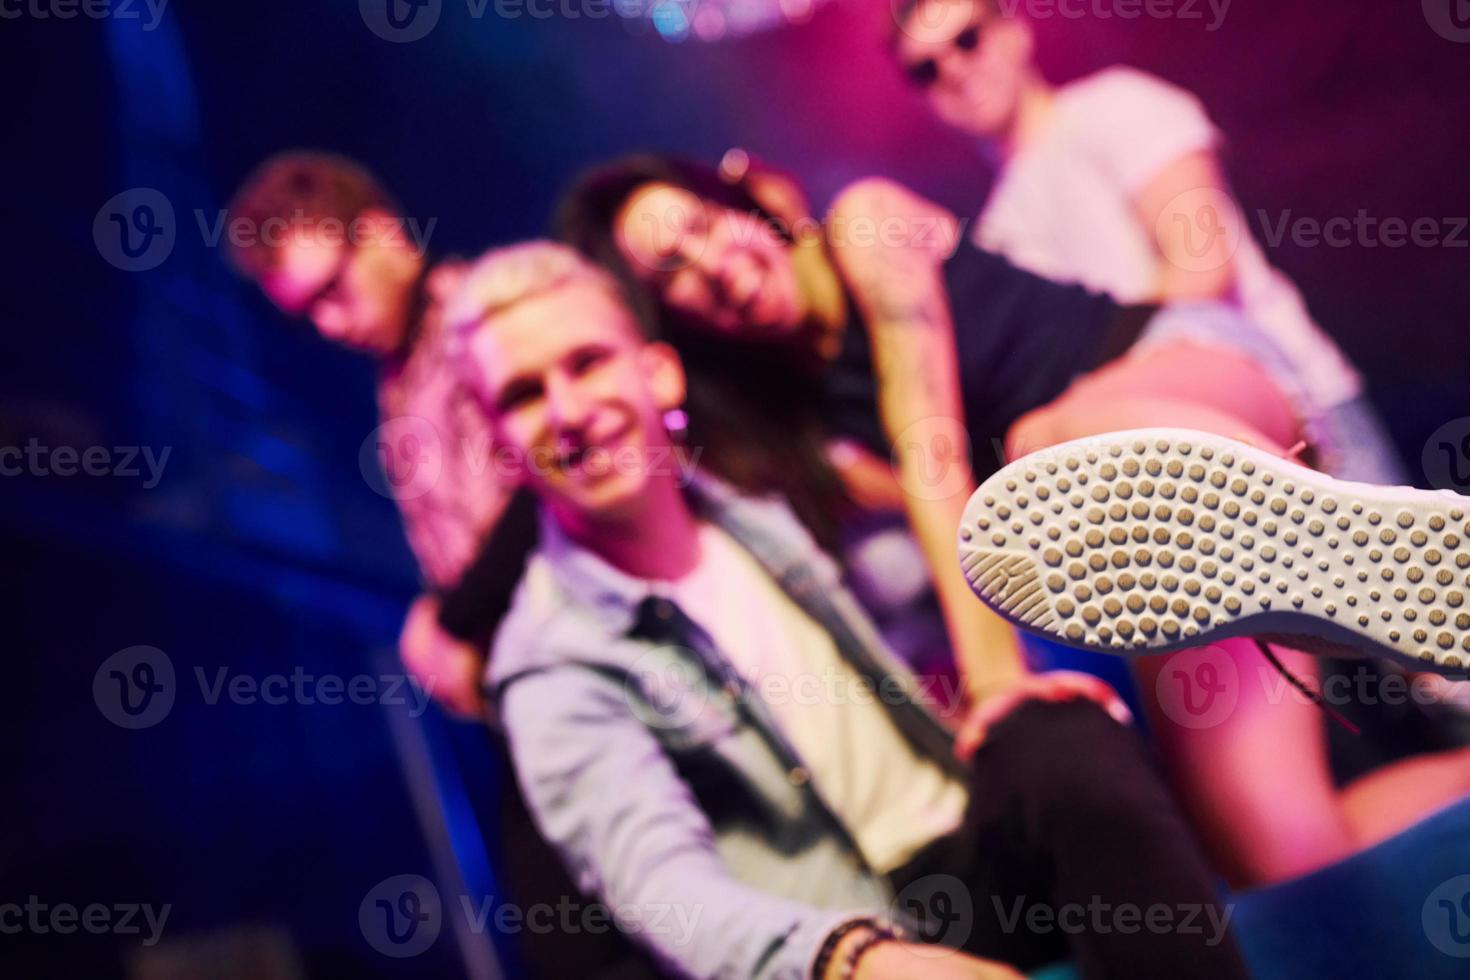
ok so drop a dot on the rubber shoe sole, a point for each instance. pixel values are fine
(1155, 540)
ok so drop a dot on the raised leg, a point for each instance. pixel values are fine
(1248, 755)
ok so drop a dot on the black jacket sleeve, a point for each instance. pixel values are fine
(473, 608)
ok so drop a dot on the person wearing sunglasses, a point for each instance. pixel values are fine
(1113, 181)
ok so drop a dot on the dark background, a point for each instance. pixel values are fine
(264, 548)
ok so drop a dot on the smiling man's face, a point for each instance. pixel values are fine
(574, 390)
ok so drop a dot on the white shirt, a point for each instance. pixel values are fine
(892, 800)
(1064, 208)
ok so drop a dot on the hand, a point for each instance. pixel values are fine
(904, 961)
(1058, 685)
(448, 668)
(869, 481)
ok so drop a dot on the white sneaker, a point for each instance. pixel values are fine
(1152, 540)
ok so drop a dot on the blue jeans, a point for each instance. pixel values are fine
(1348, 437)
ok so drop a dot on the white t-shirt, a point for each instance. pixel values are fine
(1064, 208)
(892, 799)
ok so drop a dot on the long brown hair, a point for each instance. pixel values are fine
(756, 408)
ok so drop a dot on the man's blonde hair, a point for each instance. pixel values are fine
(511, 275)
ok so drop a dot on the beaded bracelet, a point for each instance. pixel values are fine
(850, 965)
(881, 929)
(829, 946)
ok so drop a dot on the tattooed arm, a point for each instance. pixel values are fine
(889, 245)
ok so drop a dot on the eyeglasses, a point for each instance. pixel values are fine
(926, 72)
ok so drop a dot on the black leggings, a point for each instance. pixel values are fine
(1072, 847)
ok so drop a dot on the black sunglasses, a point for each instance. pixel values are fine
(926, 72)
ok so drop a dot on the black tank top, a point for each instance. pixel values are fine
(1020, 339)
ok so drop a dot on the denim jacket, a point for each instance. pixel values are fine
(662, 779)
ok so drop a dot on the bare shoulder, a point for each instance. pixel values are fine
(879, 230)
(879, 198)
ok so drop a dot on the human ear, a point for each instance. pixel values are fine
(665, 373)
